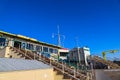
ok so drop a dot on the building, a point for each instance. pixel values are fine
(20, 69)
(22, 47)
(63, 53)
(22, 42)
(80, 55)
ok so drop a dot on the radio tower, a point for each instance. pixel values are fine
(59, 43)
(58, 35)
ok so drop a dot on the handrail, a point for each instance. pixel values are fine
(21, 52)
(61, 67)
(111, 64)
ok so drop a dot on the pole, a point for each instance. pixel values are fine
(58, 36)
(79, 56)
(78, 52)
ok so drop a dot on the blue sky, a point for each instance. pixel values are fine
(96, 23)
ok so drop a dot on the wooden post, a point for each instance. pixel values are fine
(88, 76)
(34, 56)
(62, 67)
(74, 73)
(50, 62)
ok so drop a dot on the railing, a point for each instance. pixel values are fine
(109, 63)
(65, 69)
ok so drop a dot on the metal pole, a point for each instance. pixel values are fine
(79, 56)
(58, 36)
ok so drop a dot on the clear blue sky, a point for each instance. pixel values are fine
(96, 23)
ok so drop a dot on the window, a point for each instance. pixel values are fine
(63, 53)
(23, 45)
(51, 50)
(45, 49)
(55, 51)
(29, 46)
(38, 48)
(2, 41)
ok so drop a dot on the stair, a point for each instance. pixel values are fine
(16, 54)
(61, 71)
(109, 63)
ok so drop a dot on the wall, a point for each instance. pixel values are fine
(2, 52)
(40, 74)
(86, 54)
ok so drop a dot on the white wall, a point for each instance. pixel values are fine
(86, 54)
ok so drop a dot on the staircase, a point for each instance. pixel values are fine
(109, 63)
(63, 71)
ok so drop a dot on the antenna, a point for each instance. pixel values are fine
(59, 36)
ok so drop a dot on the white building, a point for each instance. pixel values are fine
(80, 55)
(63, 53)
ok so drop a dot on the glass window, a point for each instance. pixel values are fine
(63, 53)
(51, 50)
(38, 48)
(29, 46)
(23, 45)
(2, 41)
(55, 51)
(45, 49)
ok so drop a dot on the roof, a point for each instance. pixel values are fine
(9, 64)
(27, 38)
(64, 50)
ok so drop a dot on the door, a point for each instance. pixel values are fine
(17, 44)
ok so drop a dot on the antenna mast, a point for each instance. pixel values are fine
(58, 36)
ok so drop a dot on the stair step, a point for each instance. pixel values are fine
(59, 66)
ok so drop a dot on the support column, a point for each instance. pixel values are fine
(10, 42)
(7, 52)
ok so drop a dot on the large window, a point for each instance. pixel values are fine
(45, 49)
(29, 46)
(55, 51)
(2, 41)
(38, 48)
(63, 53)
(51, 50)
(23, 45)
